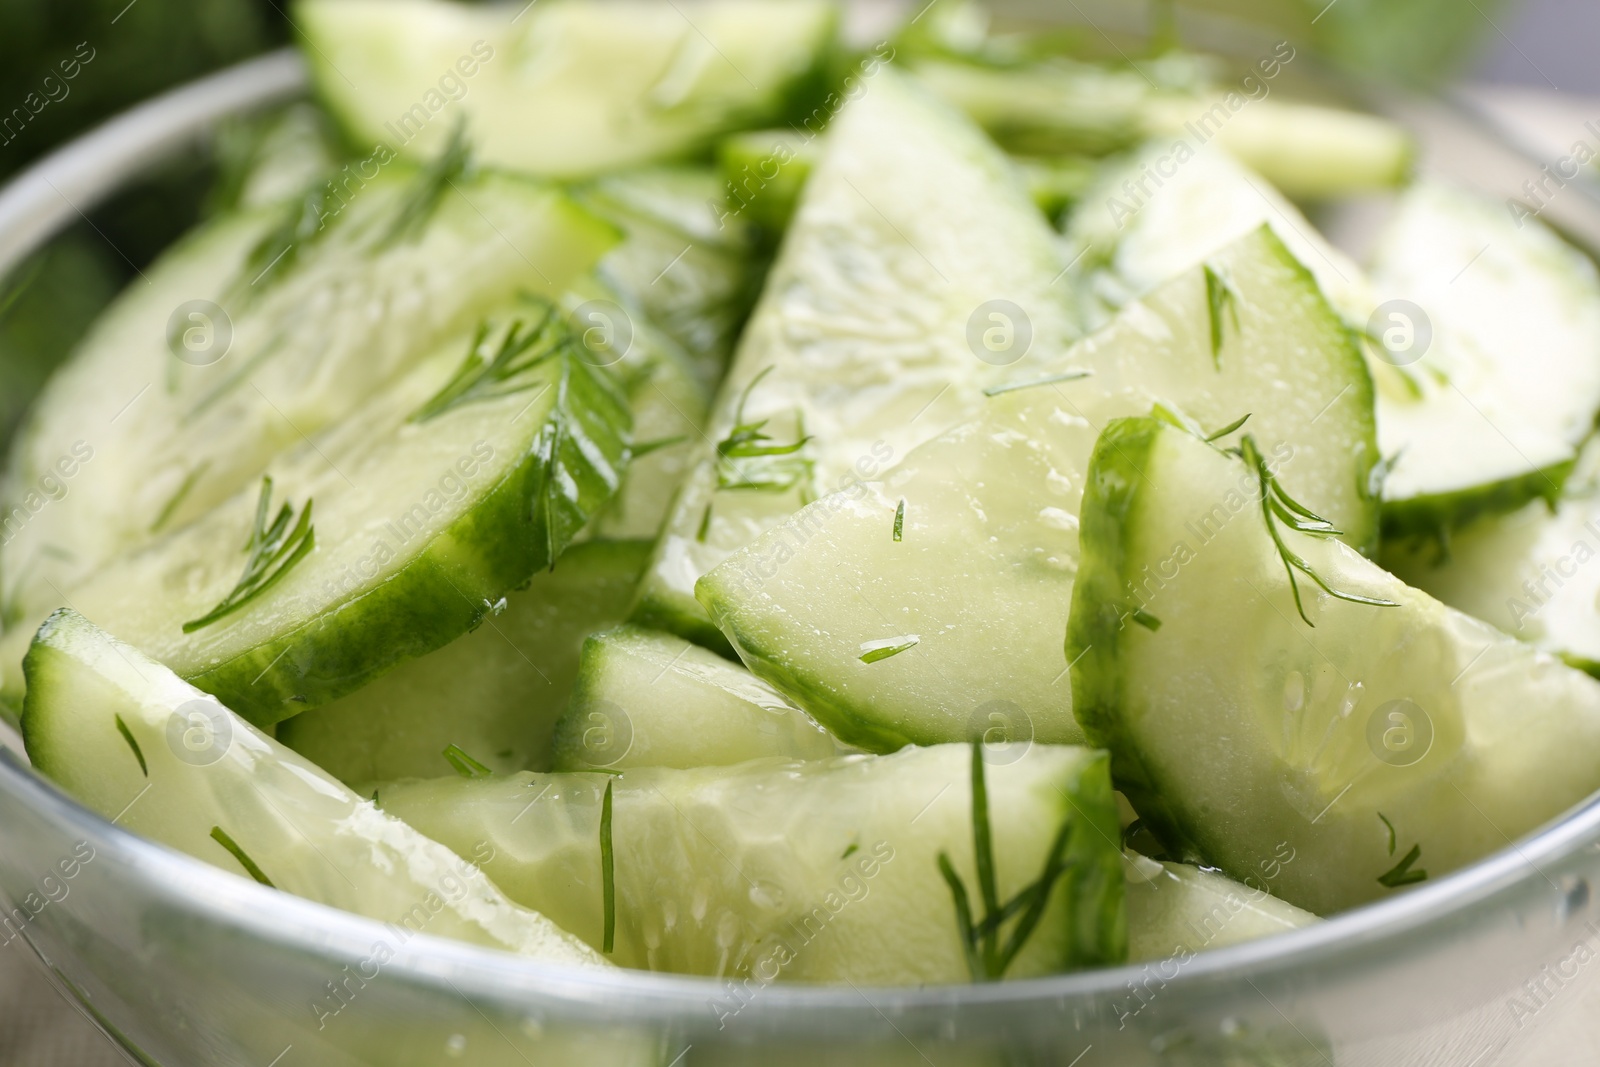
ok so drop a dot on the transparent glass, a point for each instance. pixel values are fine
(184, 964)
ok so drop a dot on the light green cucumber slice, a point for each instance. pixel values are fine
(1527, 573)
(495, 693)
(263, 160)
(272, 347)
(423, 512)
(930, 605)
(1307, 151)
(686, 263)
(1177, 909)
(808, 872)
(1509, 383)
(910, 213)
(567, 88)
(649, 699)
(1382, 746)
(137, 744)
(764, 172)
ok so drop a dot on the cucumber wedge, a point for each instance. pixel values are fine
(400, 529)
(1509, 386)
(809, 872)
(495, 694)
(299, 331)
(1382, 746)
(566, 88)
(650, 699)
(1527, 573)
(912, 214)
(1177, 909)
(132, 741)
(929, 606)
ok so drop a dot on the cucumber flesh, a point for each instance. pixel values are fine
(1177, 909)
(810, 872)
(267, 160)
(978, 584)
(1526, 573)
(1510, 384)
(911, 208)
(568, 88)
(135, 743)
(495, 693)
(311, 341)
(419, 529)
(650, 699)
(1384, 745)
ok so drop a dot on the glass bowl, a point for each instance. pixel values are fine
(184, 964)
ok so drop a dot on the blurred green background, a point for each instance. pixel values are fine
(139, 48)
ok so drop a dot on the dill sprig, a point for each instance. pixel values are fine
(989, 951)
(1220, 300)
(272, 551)
(489, 375)
(1074, 375)
(768, 466)
(1401, 873)
(465, 765)
(127, 735)
(893, 647)
(608, 873)
(422, 199)
(1277, 506)
(900, 521)
(220, 836)
(301, 224)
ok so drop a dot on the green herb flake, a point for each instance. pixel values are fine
(647, 447)
(705, 525)
(608, 872)
(1387, 825)
(422, 199)
(1218, 435)
(1073, 375)
(276, 253)
(171, 506)
(1277, 506)
(220, 836)
(465, 765)
(485, 375)
(271, 550)
(1145, 619)
(1401, 873)
(127, 735)
(850, 850)
(748, 458)
(873, 651)
(900, 522)
(1221, 300)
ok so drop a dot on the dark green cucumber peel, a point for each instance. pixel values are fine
(445, 593)
(1433, 517)
(1102, 609)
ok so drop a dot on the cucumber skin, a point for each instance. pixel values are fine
(1435, 515)
(447, 591)
(1101, 612)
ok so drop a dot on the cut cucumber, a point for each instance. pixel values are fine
(314, 334)
(266, 160)
(1509, 386)
(650, 699)
(954, 627)
(812, 872)
(566, 88)
(686, 263)
(1066, 107)
(435, 500)
(1527, 573)
(910, 213)
(1381, 746)
(1176, 909)
(131, 740)
(765, 171)
(495, 694)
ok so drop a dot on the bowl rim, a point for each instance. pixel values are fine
(36, 204)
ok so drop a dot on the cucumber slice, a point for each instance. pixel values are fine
(765, 171)
(132, 741)
(264, 160)
(1381, 746)
(1527, 573)
(337, 318)
(495, 693)
(650, 699)
(912, 210)
(954, 627)
(811, 872)
(1509, 385)
(431, 504)
(686, 263)
(567, 88)
(1176, 909)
